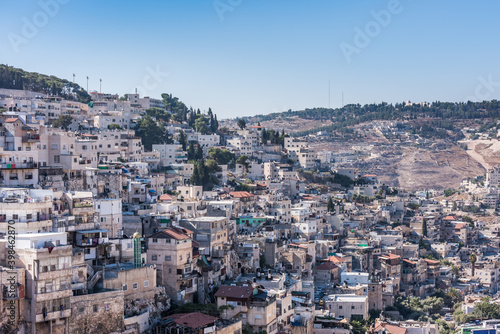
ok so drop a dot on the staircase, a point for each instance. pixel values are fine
(90, 270)
(92, 282)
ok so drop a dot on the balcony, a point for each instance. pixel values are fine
(24, 165)
(31, 138)
(53, 315)
(192, 289)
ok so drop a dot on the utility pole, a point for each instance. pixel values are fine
(73, 77)
(100, 83)
(87, 83)
(328, 93)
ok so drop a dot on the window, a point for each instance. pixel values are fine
(168, 258)
(135, 286)
(125, 287)
(154, 257)
(146, 284)
(96, 308)
(155, 240)
(29, 216)
(15, 216)
(352, 307)
(106, 307)
(340, 307)
(57, 159)
(81, 309)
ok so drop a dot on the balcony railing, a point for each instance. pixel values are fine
(53, 315)
(31, 138)
(23, 165)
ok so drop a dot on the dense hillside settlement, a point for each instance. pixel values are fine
(139, 215)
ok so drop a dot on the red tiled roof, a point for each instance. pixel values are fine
(449, 218)
(429, 261)
(241, 292)
(408, 261)
(193, 320)
(178, 233)
(165, 197)
(390, 256)
(369, 175)
(256, 127)
(335, 259)
(240, 194)
(11, 120)
(326, 266)
(460, 225)
(391, 329)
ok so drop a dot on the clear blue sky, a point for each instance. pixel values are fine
(262, 55)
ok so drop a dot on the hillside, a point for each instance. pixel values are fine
(16, 78)
(434, 120)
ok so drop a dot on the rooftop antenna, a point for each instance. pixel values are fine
(87, 83)
(100, 83)
(328, 93)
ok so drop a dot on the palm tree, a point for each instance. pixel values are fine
(472, 260)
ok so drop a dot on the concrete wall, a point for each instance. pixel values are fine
(97, 313)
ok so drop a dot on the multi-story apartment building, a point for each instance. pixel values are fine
(18, 153)
(210, 232)
(47, 260)
(109, 216)
(29, 209)
(170, 154)
(348, 306)
(171, 251)
(252, 306)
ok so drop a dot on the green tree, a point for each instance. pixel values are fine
(183, 140)
(151, 132)
(452, 297)
(198, 153)
(264, 136)
(201, 125)
(472, 260)
(114, 126)
(195, 179)
(223, 157)
(329, 206)
(64, 121)
(243, 160)
(242, 123)
(212, 166)
(359, 326)
(486, 309)
(424, 227)
(191, 152)
(159, 114)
